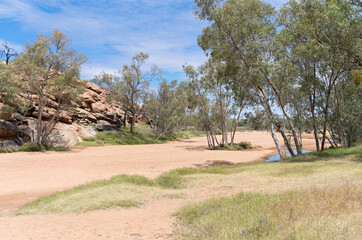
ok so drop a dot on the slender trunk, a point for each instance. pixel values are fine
(324, 133)
(275, 138)
(236, 124)
(289, 121)
(133, 123)
(286, 141)
(265, 103)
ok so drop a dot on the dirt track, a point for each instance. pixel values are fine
(26, 176)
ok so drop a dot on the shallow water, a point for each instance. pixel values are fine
(276, 158)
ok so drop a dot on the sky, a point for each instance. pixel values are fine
(110, 32)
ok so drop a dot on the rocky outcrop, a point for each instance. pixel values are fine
(88, 117)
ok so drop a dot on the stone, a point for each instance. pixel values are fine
(8, 129)
(98, 107)
(9, 144)
(65, 118)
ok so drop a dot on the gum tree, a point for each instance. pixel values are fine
(130, 85)
(49, 68)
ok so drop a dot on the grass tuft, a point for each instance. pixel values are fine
(235, 147)
(323, 213)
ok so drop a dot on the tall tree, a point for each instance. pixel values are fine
(322, 40)
(49, 67)
(130, 85)
(166, 107)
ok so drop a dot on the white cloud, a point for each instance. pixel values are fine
(110, 32)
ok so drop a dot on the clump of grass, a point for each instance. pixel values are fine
(42, 203)
(34, 147)
(235, 147)
(6, 150)
(324, 213)
(142, 135)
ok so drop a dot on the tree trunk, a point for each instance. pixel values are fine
(275, 138)
(133, 123)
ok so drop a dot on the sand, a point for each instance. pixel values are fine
(24, 177)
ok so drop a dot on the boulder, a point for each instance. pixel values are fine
(105, 126)
(81, 113)
(95, 88)
(98, 107)
(8, 129)
(65, 118)
(88, 98)
(9, 144)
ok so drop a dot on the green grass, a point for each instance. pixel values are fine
(143, 135)
(324, 213)
(235, 147)
(34, 147)
(332, 167)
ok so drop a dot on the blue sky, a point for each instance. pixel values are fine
(110, 32)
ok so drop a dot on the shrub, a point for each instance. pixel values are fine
(245, 145)
(6, 150)
(32, 147)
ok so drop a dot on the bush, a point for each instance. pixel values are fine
(245, 145)
(32, 147)
(6, 150)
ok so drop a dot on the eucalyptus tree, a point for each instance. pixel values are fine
(166, 107)
(212, 83)
(322, 39)
(130, 85)
(49, 68)
(243, 31)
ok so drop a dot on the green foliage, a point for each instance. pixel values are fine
(6, 150)
(32, 147)
(141, 135)
(35, 147)
(166, 107)
(50, 66)
(235, 147)
(131, 86)
(8, 90)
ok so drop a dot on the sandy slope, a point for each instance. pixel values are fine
(26, 176)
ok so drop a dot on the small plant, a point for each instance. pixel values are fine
(235, 147)
(32, 147)
(6, 150)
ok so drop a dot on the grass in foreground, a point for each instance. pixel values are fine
(324, 213)
(143, 135)
(335, 167)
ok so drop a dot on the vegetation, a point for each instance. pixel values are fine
(130, 87)
(142, 135)
(302, 61)
(318, 213)
(50, 67)
(166, 108)
(235, 147)
(315, 179)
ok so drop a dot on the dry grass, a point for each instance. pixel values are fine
(317, 213)
(315, 196)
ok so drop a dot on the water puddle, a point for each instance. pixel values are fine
(276, 158)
